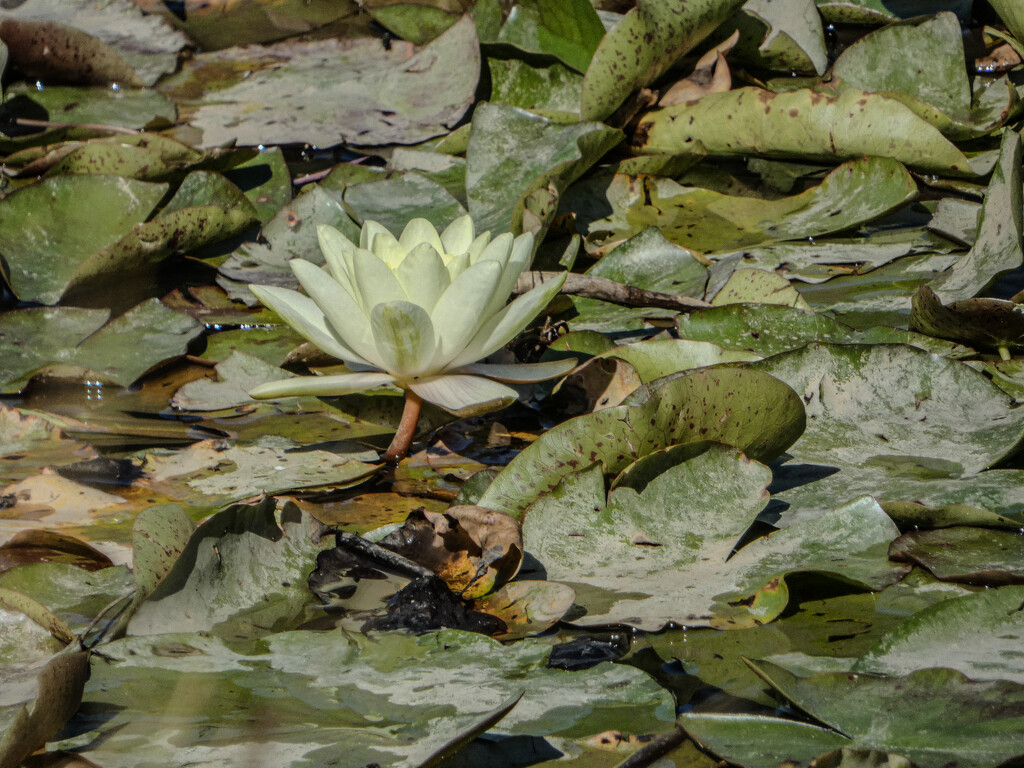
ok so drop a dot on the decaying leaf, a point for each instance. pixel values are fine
(473, 549)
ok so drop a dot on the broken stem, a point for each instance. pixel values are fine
(406, 428)
(1004, 353)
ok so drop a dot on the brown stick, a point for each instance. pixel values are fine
(592, 287)
(406, 428)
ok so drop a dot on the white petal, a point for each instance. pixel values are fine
(502, 327)
(497, 250)
(302, 314)
(420, 231)
(424, 276)
(388, 250)
(320, 386)
(458, 264)
(522, 373)
(464, 395)
(337, 251)
(520, 255)
(405, 339)
(369, 233)
(478, 245)
(375, 282)
(345, 318)
(458, 236)
(456, 318)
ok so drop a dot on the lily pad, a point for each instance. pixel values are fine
(811, 489)
(73, 595)
(821, 636)
(213, 471)
(567, 29)
(754, 412)
(46, 231)
(704, 220)
(932, 717)
(801, 124)
(643, 45)
(292, 92)
(983, 323)
(315, 715)
(781, 36)
(883, 403)
(290, 234)
(215, 586)
(649, 260)
(980, 635)
(148, 45)
(76, 338)
(513, 153)
(963, 554)
(236, 374)
(758, 286)
(646, 559)
(997, 250)
(926, 83)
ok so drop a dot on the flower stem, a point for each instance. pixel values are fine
(406, 428)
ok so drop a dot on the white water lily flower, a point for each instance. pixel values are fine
(418, 312)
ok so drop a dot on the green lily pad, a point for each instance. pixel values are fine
(213, 585)
(417, 22)
(34, 338)
(237, 374)
(998, 249)
(956, 220)
(265, 180)
(1011, 15)
(754, 412)
(646, 560)
(980, 635)
(785, 36)
(82, 107)
(932, 717)
(330, 91)
(801, 124)
(513, 153)
(876, 12)
(705, 220)
(668, 30)
(649, 260)
(46, 230)
(983, 323)
(821, 636)
(814, 262)
(811, 489)
(365, 699)
(447, 170)
(935, 87)
(550, 91)
(74, 595)
(654, 359)
(873, 404)
(290, 234)
(967, 555)
(567, 29)
(393, 202)
(215, 472)
(758, 286)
